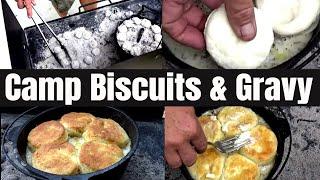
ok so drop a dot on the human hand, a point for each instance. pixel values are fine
(185, 22)
(26, 4)
(183, 136)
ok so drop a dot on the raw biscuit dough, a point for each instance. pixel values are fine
(290, 17)
(231, 52)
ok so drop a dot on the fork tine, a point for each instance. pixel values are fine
(237, 146)
(229, 141)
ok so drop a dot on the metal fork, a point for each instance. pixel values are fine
(232, 144)
(54, 35)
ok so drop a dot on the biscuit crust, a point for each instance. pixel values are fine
(49, 132)
(96, 155)
(263, 148)
(237, 119)
(56, 159)
(108, 131)
(76, 122)
(238, 167)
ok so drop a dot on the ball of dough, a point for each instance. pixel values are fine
(88, 60)
(136, 20)
(156, 29)
(145, 23)
(96, 51)
(122, 29)
(157, 37)
(290, 17)
(231, 52)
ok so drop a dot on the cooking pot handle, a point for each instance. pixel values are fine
(310, 58)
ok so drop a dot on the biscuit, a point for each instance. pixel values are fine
(75, 123)
(237, 119)
(49, 132)
(106, 130)
(209, 165)
(56, 159)
(264, 144)
(238, 167)
(96, 155)
(211, 128)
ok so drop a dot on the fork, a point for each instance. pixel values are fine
(232, 144)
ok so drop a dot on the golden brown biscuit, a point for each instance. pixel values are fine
(264, 144)
(237, 119)
(75, 123)
(238, 167)
(96, 155)
(209, 165)
(211, 128)
(106, 130)
(49, 132)
(56, 159)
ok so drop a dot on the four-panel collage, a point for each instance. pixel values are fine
(172, 141)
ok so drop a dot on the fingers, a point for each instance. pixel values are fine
(199, 141)
(20, 4)
(241, 17)
(172, 157)
(28, 4)
(213, 4)
(184, 22)
(191, 37)
(187, 154)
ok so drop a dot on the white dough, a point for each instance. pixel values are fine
(93, 43)
(136, 20)
(88, 60)
(87, 35)
(290, 17)
(78, 34)
(231, 52)
(108, 13)
(128, 23)
(75, 64)
(96, 51)
(67, 35)
(122, 29)
(157, 37)
(128, 14)
(156, 29)
(121, 36)
(146, 23)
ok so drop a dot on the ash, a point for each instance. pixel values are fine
(86, 49)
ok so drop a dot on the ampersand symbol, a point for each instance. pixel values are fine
(218, 89)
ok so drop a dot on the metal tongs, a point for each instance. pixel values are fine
(54, 35)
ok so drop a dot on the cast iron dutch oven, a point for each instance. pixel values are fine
(114, 172)
(312, 47)
(281, 128)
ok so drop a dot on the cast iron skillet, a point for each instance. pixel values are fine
(294, 62)
(281, 128)
(115, 171)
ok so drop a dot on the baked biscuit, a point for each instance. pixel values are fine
(106, 130)
(264, 144)
(237, 119)
(211, 128)
(209, 165)
(95, 155)
(75, 123)
(49, 132)
(56, 159)
(238, 167)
